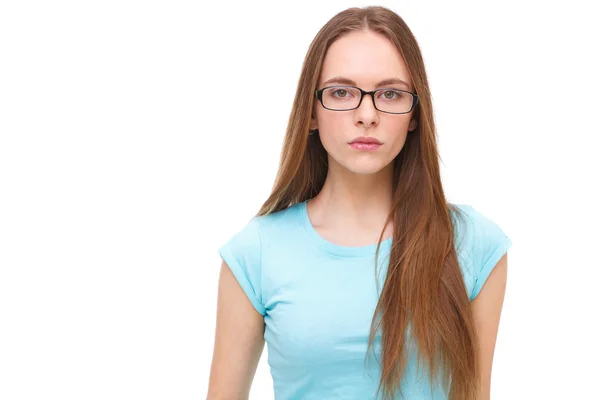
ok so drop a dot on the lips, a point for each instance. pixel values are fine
(364, 146)
(366, 140)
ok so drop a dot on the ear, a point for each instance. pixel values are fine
(412, 125)
(313, 123)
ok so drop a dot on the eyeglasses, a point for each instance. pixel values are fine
(343, 98)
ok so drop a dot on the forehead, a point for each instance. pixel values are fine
(365, 57)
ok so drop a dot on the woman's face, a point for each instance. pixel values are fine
(364, 59)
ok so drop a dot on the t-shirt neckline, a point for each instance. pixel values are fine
(332, 248)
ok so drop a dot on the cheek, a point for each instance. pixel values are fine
(398, 143)
(334, 128)
(332, 120)
(400, 123)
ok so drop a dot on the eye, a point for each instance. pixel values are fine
(338, 91)
(390, 94)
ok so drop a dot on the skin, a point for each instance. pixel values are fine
(357, 193)
(356, 198)
(487, 308)
(239, 341)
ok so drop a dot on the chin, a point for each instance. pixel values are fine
(361, 165)
(365, 169)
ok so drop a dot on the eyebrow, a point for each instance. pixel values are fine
(346, 81)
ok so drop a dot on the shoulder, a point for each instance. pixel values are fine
(246, 235)
(242, 252)
(245, 248)
(250, 237)
(276, 226)
(480, 243)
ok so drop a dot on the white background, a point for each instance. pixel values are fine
(125, 164)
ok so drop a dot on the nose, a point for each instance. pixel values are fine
(366, 111)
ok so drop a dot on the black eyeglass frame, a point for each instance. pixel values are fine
(319, 94)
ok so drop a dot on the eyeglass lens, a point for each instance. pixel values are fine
(386, 100)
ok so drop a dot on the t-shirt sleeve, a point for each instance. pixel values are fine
(488, 244)
(242, 253)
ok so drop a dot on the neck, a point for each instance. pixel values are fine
(351, 202)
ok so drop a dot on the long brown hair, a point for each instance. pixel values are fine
(424, 292)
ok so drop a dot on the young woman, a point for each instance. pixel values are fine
(362, 279)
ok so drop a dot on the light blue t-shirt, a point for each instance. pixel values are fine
(318, 300)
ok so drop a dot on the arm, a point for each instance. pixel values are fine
(239, 341)
(487, 307)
